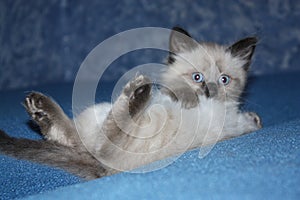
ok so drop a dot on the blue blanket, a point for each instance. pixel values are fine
(263, 164)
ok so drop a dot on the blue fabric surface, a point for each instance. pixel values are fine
(264, 164)
(54, 36)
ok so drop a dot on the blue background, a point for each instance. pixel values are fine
(45, 41)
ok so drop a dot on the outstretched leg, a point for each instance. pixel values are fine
(53, 122)
(247, 122)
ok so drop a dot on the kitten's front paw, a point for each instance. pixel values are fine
(256, 119)
(189, 101)
(186, 96)
(138, 92)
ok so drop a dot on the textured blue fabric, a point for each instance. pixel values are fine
(54, 36)
(264, 164)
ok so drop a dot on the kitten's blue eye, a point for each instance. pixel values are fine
(224, 79)
(198, 77)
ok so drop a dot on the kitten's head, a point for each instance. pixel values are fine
(217, 71)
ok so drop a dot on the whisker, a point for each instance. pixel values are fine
(242, 99)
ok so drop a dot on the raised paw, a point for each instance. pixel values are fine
(256, 119)
(40, 107)
(188, 99)
(138, 92)
(185, 95)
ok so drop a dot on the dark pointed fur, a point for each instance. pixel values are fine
(70, 159)
(180, 40)
(244, 48)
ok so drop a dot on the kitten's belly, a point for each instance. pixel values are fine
(166, 129)
(89, 123)
(163, 130)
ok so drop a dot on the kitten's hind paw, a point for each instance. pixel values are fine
(34, 106)
(41, 108)
(138, 92)
(139, 85)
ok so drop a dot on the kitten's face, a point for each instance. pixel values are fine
(210, 70)
(219, 72)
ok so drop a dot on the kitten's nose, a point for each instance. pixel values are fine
(212, 89)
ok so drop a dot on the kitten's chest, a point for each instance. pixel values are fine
(168, 125)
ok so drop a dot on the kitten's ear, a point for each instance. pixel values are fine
(180, 41)
(244, 49)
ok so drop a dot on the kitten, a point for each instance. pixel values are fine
(197, 105)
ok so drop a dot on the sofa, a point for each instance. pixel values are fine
(43, 43)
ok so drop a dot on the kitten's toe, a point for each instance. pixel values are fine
(256, 119)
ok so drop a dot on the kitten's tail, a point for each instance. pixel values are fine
(80, 163)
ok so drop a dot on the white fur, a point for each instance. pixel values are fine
(89, 123)
(163, 130)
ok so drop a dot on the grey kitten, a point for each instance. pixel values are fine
(199, 105)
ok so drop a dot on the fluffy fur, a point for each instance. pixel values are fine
(146, 125)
